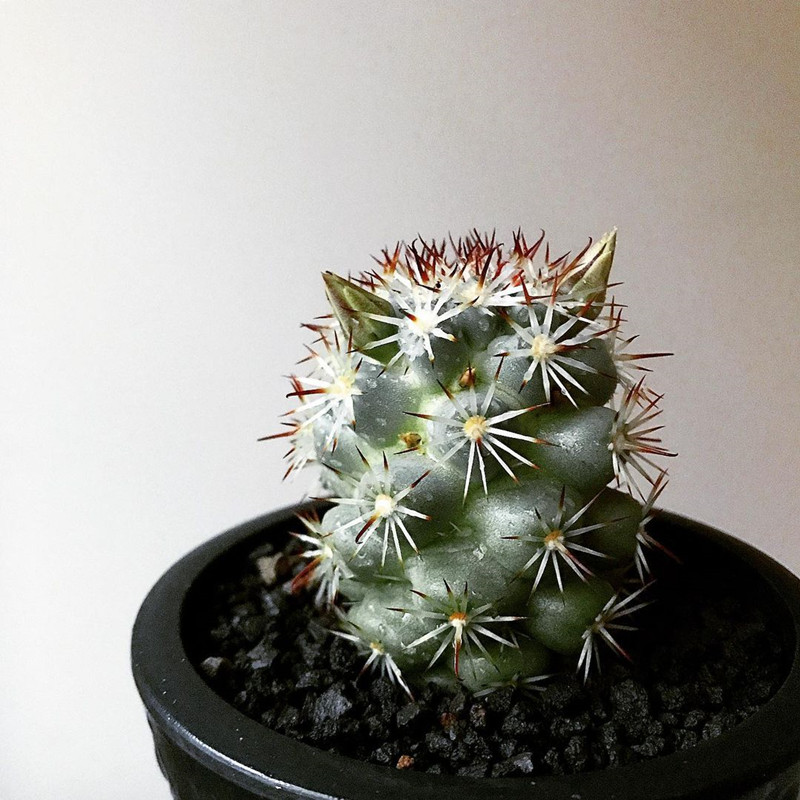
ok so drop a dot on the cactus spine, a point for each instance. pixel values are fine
(491, 453)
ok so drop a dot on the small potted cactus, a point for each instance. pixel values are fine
(489, 457)
(484, 435)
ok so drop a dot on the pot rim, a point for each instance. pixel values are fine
(196, 719)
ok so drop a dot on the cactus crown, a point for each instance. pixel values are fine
(491, 453)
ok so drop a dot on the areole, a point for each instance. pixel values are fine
(207, 749)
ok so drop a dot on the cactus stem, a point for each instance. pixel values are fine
(632, 441)
(461, 626)
(523, 256)
(600, 629)
(547, 345)
(301, 450)
(423, 309)
(325, 567)
(476, 287)
(527, 684)
(554, 541)
(377, 657)
(331, 388)
(547, 319)
(422, 325)
(643, 538)
(627, 364)
(381, 509)
(470, 425)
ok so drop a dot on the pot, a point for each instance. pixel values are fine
(208, 750)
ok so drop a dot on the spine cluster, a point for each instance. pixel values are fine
(491, 453)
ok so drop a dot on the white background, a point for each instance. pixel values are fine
(175, 175)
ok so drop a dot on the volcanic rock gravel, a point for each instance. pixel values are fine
(705, 659)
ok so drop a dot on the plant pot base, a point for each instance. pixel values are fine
(708, 654)
(208, 749)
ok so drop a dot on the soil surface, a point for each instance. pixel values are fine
(708, 654)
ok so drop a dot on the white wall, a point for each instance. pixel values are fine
(173, 178)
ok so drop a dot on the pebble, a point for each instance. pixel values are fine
(332, 704)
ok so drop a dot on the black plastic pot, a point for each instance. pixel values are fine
(210, 751)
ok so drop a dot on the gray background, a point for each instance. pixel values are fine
(173, 178)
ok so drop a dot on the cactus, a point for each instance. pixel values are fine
(491, 455)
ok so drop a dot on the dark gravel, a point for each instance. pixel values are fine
(705, 659)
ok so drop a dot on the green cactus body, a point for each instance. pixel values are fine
(490, 451)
